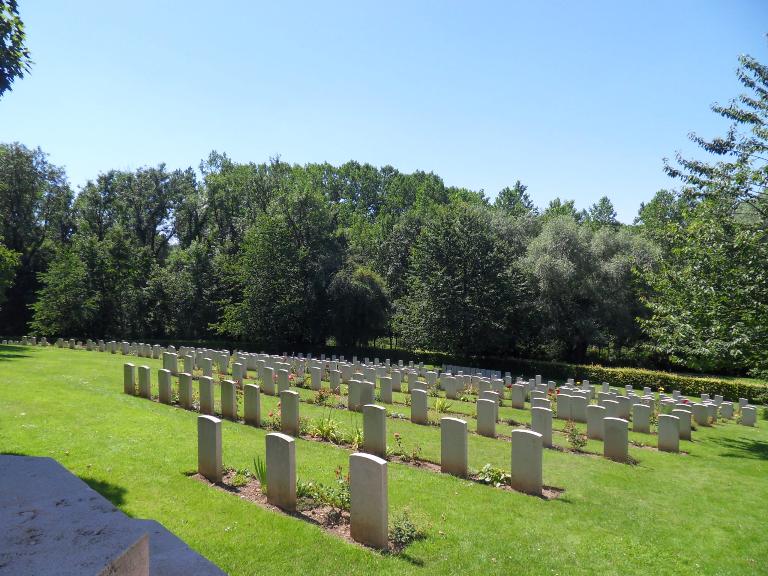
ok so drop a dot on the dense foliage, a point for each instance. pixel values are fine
(277, 254)
(14, 56)
(709, 296)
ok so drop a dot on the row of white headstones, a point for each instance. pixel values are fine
(526, 445)
(573, 403)
(368, 468)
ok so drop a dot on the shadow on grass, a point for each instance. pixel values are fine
(743, 448)
(12, 352)
(112, 492)
(407, 558)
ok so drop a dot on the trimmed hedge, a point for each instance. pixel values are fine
(638, 378)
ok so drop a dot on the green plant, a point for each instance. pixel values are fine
(342, 489)
(305, 490)
(336, 496)
(305, 426)
(241, 477)
(576, 439)
(322, 397)
(354, 437)
(653, 419)
(413, 456)
(260, 472)
(489, 474)
(273, 420)
(403, 531)
(433, 391)
(442, 405)
(328, 429)
(399, 451)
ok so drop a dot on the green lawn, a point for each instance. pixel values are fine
(699, 513)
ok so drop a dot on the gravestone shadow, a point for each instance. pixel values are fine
(112, 492)
(743, 448)
(12, 352)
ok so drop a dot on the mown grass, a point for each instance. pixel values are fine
(699, 513)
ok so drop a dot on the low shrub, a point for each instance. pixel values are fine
(442, 405)
(241, 478)
(335, 495)
(328, 429)
(403, 530)
(576, 439)
(494, 476)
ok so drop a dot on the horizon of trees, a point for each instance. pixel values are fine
(284, 254)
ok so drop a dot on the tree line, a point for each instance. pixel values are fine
(280, 254)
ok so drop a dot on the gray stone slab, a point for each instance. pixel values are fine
(39, 497)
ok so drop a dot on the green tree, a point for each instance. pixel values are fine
(561, 263)
(359, 306)
(456, 284)
(663, 211)
(287, 261)
(602, 213)
(622, 254)
(65, 304)
(14, 55)
(740, 175)
(515, 201)
(180, 294)
(35, 202)
(9, 261)
(709, 298)
(557, 208)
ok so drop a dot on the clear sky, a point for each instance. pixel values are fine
(576, 99)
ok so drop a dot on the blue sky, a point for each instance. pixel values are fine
(576, 99)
